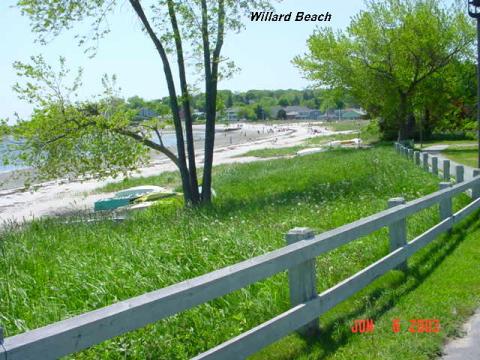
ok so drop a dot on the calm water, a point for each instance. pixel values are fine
(4, 144)
(169, 140)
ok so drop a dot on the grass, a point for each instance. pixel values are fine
(462, 151)
(367, 132)
(460, 142)
(50, 271)
(464, 155)
(274, 152)
(344, 125)
(166, 179)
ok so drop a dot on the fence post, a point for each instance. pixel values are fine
(435, 165)
(425, 161)
(302, 278)
(445, 205)
(459, 173)
(410, 154)
(446, 170)
(398, 230)
(417, 157)
(476, 188)
(2, 338)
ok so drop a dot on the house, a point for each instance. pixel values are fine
(353, 114)
(145, 114)
(296, 112)
(349, 114)
(344, 114)
(231, 114)
(198, 115)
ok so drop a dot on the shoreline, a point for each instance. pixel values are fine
(14, 180)
(61, 196)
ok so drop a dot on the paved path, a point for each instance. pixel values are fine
(435, 151)
(467, 347)
(436, 148)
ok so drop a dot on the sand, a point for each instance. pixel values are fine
(62, 196)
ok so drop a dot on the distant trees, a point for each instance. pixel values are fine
(179, 30)
(281, 114)
(258, 104)
(399, 59)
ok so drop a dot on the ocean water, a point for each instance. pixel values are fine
(4, 150)
(169, 140)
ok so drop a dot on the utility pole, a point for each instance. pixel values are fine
(474, 12)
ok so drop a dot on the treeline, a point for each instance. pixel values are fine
(416, 73)
(253, 104)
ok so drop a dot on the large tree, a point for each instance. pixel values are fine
(387, 53)
(174, 27)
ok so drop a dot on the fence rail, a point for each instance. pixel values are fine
(88, 329)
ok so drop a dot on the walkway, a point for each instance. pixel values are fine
(435, 151)
(467, 347)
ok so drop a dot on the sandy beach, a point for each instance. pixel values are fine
(63, 196)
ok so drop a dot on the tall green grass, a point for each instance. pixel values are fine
(50, 270)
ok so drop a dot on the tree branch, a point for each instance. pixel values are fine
(149, 143)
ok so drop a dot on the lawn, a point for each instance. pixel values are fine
(467, 155)
(343, 125)
(50, 270)
(367, 131)
(274, 152)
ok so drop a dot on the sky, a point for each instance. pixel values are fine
(263, 51)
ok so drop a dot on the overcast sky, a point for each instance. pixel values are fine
(263, 51)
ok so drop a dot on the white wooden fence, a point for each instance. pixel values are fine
(298, 257)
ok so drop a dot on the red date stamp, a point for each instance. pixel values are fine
(362, 326)
(424, 326)
(418, 326)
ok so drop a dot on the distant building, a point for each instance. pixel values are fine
(349, 114)
(231, 114)
(145, 114)
(353, 114)
(198, 115)
(296, 112)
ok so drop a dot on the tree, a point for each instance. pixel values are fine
(387, 53)
(283, 101)
(259, 112)
(229, 103)
(281, 114)
(170, 25)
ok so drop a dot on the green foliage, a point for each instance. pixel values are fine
(274, 152)
(53, 269)
(170, 25)
(65, 136)
(389, 56)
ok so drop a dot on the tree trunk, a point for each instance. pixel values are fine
(406, 119)
(402, 115)
(182, 164)
(427, 124)
(211, 77)
(211, 81)
(195, 198)
(410, 126)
